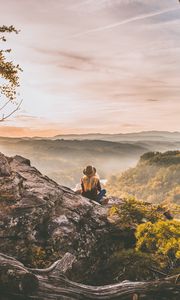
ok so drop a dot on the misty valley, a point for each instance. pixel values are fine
(63, 158)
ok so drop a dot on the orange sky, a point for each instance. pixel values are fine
(23, 132)
(12, 131)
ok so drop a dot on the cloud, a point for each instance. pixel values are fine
(68, 60)
(127, 21)
(26, 118)
(152, 100)
(67, 55)
(75, 61)
(130, 125)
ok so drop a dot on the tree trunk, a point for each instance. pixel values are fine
(18, 282)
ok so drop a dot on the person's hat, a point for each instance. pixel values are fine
(89, 171)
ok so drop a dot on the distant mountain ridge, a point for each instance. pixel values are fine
(143, 135)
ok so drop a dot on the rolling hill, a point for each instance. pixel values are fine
(156, 178)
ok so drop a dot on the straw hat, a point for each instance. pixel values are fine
(89, 171)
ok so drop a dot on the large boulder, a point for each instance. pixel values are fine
(40, 221)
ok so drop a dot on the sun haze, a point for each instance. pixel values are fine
(95, 66)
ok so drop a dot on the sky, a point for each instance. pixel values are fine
(105, 66)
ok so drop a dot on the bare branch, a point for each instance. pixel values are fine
(9, 72)
(4, 117)
(1, 108)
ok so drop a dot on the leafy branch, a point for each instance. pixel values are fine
(9, 73)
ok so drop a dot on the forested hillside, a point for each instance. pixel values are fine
(156, 178)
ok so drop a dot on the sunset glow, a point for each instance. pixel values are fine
(95, 66)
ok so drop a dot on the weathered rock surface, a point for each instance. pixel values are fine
(40, 221)
(53, 232)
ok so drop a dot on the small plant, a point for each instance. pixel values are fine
(133, 212)
(162, 237)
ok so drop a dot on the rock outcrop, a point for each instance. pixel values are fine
(48, 234)
(40, 221)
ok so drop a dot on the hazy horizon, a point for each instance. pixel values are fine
(3, 134)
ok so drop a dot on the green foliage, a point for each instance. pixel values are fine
(158, 158)
(154, 251)
(162, 237)
(133, 212)
(153, 231)
(9, 74)
(156, 178)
